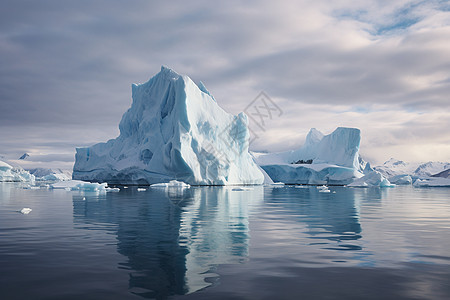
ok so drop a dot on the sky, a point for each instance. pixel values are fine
(381, 66)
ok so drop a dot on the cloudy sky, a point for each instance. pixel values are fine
(382, 66)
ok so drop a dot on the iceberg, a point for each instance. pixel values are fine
(9, 173)
(44, 174)
(371, 179)
(171, 184)
(174, 130)
(77, 185)
(401, 179)
(323, 159)
(432, 182)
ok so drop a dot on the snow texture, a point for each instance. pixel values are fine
(394, 167)
(431, 168)
(174, 130)
(330, 159)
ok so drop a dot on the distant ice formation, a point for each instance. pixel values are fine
(323, 159)
(45, 174)
(9, 173)
(174, 130)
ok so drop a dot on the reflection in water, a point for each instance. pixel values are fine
(332, 216)
(172, 240)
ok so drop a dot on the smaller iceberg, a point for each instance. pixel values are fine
(77, 185)
(171, 184)
(25, 210)
(373, 179)
(323, 159)
(432, 182)
(401, 179)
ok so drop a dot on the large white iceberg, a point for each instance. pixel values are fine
(173, 130)
(9, 173)
(323, 159)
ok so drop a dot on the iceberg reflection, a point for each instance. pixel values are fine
(172, 239)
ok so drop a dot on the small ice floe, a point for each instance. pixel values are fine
(323, 189)
(84, 198)
(108, 189)
(171, 184)
(25, 210)
(125, 187)
(77, 185)
(240, 189)
(35, 187)
(141, 190)
(277, 184)
(301, 186)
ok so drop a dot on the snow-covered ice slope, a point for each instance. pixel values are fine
(173, 130)
(9, 173)
(394, 167)
(46, 174)
(329, 159)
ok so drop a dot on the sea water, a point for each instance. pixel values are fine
(225, 243)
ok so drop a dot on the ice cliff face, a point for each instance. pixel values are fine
(329, 159)
(173, 130)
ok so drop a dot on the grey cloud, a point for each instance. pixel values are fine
(67, 67)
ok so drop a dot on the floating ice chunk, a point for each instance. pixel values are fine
(432, 182)
(141, 190)
(371, 179)
(323, 189)
(171, 184)
(77, 185)
(25, 210)
(401, 179)
(301, 186)
(108, 189)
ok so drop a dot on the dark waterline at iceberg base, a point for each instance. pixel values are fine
(220, 243)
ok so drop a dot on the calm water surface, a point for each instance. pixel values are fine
(225, 243)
